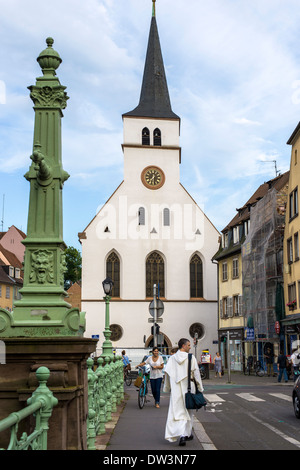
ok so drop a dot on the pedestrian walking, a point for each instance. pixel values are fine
(218, 364)
(156, 363)
(179, 421)
(269, 360)
(295, 360)
(281, 366)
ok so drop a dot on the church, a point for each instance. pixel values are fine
(151, 232)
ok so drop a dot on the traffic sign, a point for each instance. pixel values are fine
(159, 308)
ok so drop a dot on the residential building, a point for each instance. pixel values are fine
(74, 295)
(12, 241)
(10, 284)
(250, 266)
(291, 323)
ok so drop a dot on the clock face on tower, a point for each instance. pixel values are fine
(153, 177)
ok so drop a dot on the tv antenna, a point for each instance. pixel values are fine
(2, 221)
(277, 172)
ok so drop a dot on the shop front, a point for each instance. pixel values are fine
(291, 326)
(234, 349)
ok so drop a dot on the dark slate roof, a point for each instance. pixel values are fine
(243, 213)
(154, 98)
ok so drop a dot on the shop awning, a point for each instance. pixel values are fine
(291, 320)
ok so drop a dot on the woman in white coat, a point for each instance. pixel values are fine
(179, 422)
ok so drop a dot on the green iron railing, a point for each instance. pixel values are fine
(40, 404)
(105, 393)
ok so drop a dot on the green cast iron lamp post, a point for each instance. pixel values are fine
(107, 349)
(43, 310)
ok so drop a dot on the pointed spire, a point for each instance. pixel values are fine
(154, 98)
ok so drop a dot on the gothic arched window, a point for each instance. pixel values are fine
(145, 136)
(196, 277)
(166, 216)
(142, 216)
(157, 137)
(113, 271)
(155, 274)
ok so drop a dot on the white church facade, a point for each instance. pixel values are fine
(151, 231)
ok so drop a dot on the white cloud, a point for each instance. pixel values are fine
(233, 74)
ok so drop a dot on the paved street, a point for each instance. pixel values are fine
(249, 413)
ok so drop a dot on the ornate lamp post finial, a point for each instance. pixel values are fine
(153, 9)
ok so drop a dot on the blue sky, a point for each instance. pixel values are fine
(233, 71)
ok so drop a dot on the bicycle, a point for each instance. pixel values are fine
(127, 376)
(143, 390)
(258, 368)
(202, 371)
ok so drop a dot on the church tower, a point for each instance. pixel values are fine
(151, 231)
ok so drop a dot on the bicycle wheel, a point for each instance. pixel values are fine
(260, 372)
(128, 379)
(202, 373)
(142, 395)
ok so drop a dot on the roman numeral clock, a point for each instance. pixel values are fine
(153, 177)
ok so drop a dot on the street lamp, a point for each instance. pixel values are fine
(108, 284)
(107, 345)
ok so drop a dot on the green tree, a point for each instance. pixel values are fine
(73, 262)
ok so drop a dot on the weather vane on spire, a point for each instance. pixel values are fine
(153, 10)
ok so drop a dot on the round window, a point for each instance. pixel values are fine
(116, 332)
(197, 328)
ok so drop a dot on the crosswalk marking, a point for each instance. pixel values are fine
(211, 397)
(282, 396)
(249, 397)
(214, 398)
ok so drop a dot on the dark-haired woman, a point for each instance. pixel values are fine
(156, 363)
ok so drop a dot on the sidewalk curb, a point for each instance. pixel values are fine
(102, 441)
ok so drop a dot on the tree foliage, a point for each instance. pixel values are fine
(73, 262)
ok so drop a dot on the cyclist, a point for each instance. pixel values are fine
(126, 362)
(156, 363)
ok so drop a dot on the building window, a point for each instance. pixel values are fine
(166, 216)
(225, 240)
(116, 332)
(236, 235)
(296, 157)
(141, 216)
(113, 271)
(17, 273)
(145, 136)
(290, 250)
(155, 274)
(296, 246)
(224, 271)
(7, 294)
(224, 307)
(197, 328)
(0, 291)
(294, 203)
(292, 296)
(235, 268)
(247, 227)
(236, 305)
(11, 271)
(157, 137)
(196, 277)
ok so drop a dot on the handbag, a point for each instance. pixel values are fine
(138, 381)
(193, 401)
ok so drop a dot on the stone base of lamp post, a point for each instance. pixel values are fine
(66, 359)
